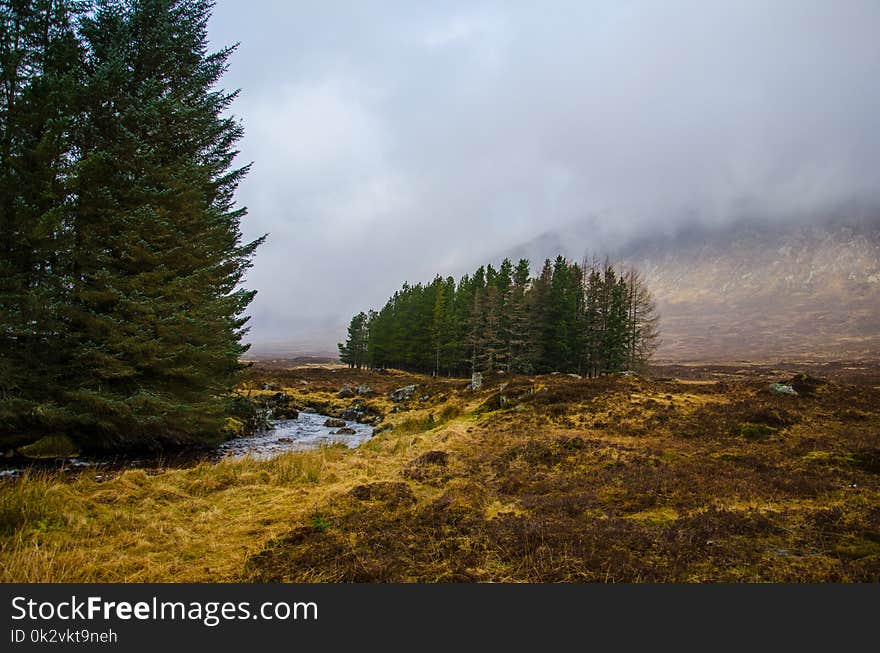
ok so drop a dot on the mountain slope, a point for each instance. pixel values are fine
(754, 291)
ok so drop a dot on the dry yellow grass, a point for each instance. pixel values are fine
(184, 525)
(612, 479)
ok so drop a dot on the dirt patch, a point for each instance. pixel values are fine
(390, 492)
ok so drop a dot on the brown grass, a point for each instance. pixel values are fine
(616, 479)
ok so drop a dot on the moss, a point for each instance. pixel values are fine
(855, 547)
(233, 427)
(828, 458)
(657, 516)
(50, 446)
(752, 431)
(867, 460)
(728, 456)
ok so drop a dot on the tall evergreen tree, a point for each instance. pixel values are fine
(354, 351)
(495, 356)
(157, 312)
(540, 327)
(593, 317)
(587, 319)
(41, 75)
(477, 322)
(518, 344)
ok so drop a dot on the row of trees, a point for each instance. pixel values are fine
(121, 314)
(587, 318)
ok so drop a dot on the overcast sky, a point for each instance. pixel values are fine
(394, 140)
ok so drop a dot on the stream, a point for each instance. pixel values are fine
(305, 432)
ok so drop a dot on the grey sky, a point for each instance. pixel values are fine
(395, 140)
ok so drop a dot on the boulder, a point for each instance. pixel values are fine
(332, 422)
(346, 430)
(352, 414)
(364, 390)
(270, 386)
(345, 393)
(404, 393)
(476, 381)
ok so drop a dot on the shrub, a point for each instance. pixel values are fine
(752, 431)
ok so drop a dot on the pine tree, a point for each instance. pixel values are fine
(461, 351)
(592, 325)
(157, 312)
(540, 324)
(518, 350)
(588, 319)
(447, 328)
(495, 350)
(354, 351)
(477, 322)
(121, 312)
(40, 78)
(558, 329)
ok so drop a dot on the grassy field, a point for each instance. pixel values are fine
(697, 474)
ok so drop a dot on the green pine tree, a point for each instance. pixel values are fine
(157, 311)
(41, 75)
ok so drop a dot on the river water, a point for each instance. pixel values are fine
(305, 432)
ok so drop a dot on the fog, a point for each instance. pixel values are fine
(393, 141)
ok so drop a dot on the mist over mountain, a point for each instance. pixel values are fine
(754, 290)
(428, 138)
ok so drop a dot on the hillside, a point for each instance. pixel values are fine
(754, 291)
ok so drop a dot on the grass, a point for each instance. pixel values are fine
(615, 479)
(182, 525)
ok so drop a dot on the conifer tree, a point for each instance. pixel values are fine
(156, 315)
(448, 344)
(592, 327)
(121, 311)
(477, 322)
(518, 351)
(495, 355)
(588, 319)
(354, 351)
(540, 325)
(40, 80)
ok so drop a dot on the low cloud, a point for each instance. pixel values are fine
(392, 141)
